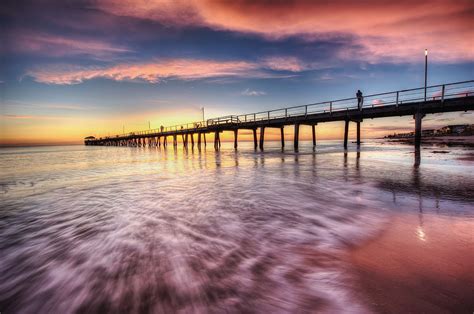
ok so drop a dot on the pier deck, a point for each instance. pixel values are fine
(450, 97)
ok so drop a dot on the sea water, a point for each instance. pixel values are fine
(121, 229)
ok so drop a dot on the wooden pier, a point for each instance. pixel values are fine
(450, 97)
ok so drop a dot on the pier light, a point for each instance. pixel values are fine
(426, 70)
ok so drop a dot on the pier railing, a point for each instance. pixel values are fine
(395, 98)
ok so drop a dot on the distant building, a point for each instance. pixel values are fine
(459, 128)
(444, 130)
(428, 132)
(88, 140)
(456, 129)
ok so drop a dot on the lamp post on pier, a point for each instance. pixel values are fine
(426, 70)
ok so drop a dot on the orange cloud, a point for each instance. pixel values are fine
(394, 31)
(153, 72)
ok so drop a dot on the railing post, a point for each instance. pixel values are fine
(442, 93)
(305, 110)
(397, 99)
(286, 113)
(268, 115)
(330, 107)
(254, 117)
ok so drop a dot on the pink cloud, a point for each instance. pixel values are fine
(153, 72)
(390, 31)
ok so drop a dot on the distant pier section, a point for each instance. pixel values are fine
(416, 102)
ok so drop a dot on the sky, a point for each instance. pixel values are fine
(70, 69)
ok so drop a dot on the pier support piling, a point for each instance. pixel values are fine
(217, 141)
(192, 140)
(282, 137)
(297, 136)
(313, 129)
(418, 117)
(199, 139)
(255, 145)
(262, 137)
(236, 132)
(358, 133)
(346, 133)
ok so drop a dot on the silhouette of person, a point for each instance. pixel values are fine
(360, 99)
(161, 128)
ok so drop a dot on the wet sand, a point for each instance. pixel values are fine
(419, 264)
(467, 157)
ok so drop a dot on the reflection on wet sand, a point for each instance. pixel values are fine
(423, 261)
(419, 264)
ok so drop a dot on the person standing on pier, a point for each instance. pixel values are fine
(360, 99)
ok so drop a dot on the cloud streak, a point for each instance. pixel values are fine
(248, 92)
(285, 63)
(60, 46)
(31, 117)
(154, 72)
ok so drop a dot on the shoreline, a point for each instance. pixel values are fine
(465, 141)
(420, 264)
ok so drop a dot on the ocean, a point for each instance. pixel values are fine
(120, 229)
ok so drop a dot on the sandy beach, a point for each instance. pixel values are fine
(420, 264)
